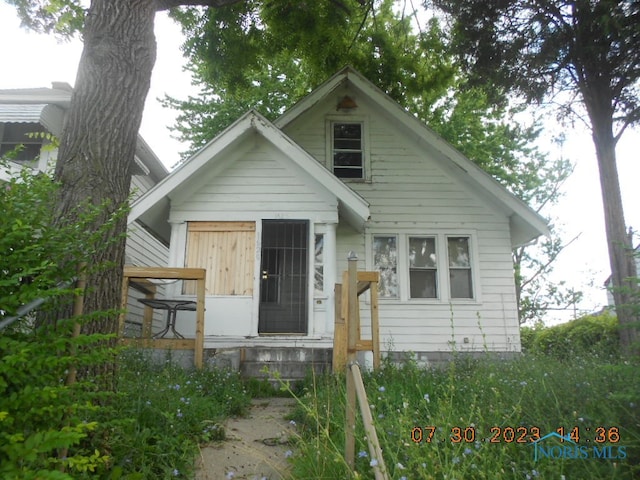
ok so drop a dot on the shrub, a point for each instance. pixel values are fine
(592, 335)
(52, 428)
(44, 419)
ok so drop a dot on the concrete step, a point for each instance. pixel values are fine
(290, 363)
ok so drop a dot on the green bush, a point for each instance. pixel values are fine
(44, 419)
(592, 335)
(51, 428)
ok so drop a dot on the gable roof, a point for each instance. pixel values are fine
(525, 223)
(152, 208)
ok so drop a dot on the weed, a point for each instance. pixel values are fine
(478, 420)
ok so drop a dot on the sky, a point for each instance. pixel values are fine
(34, 60)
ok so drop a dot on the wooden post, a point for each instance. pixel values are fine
(339, 362)
(78, 308)
(353, 325)
(199, 345)
(123, 304)
(375, 324)
(351, 287)
(147, 317)
(375, 452)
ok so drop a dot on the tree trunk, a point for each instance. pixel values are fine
(622, 262)
(99, 137)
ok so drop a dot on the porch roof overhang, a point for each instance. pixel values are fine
(525, 224)
(152, 209)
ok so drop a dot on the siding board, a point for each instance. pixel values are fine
(409, 193)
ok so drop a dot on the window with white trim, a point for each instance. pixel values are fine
(423, 268)
(433, 267)
(385, 261)
(460, 274)
(347, 150)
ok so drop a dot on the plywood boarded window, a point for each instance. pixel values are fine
(227, 251)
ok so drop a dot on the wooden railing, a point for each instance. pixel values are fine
(347, 342)
(139, 279)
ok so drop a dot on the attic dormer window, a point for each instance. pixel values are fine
(348, 158)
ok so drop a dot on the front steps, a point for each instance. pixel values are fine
(290, 363)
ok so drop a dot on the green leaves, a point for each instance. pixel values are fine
(61, 17)
(39, 415)
(36, 256)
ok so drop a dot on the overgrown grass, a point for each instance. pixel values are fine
(164, 413)
(469, 403)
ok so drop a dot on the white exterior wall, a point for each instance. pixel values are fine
(258, 183)
(409, 194)
(143, 250)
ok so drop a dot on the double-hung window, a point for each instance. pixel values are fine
(423, 268)
(347, 146)
(431, 266)
(385, 260)
(460, 275)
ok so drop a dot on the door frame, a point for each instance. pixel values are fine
(300, 268)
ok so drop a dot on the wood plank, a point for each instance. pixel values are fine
(344, 301)
(161, 343)
(143, 285)
(368, 276)
(123, 305)
(339, 362)
(221, 226)
(380, 469)
(164, 273)
(375, 326)
(363, 287)
(227, 256)
(199, 340)
(364, 345)
(196, 344)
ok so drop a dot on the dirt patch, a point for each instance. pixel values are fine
(257, 446)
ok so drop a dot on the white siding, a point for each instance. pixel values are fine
(409, 193)
(143, 250)
(259, 184)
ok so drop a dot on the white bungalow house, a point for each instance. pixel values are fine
(30, 110)
(272, 210)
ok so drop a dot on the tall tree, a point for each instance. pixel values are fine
(278, 66)
(407, 58)
(584, 53)
(98, 141)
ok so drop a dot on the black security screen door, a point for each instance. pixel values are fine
(283, 287)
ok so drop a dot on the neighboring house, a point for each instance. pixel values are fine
(272, 210)
(31, 110)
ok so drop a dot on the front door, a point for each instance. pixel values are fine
(283, 269)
